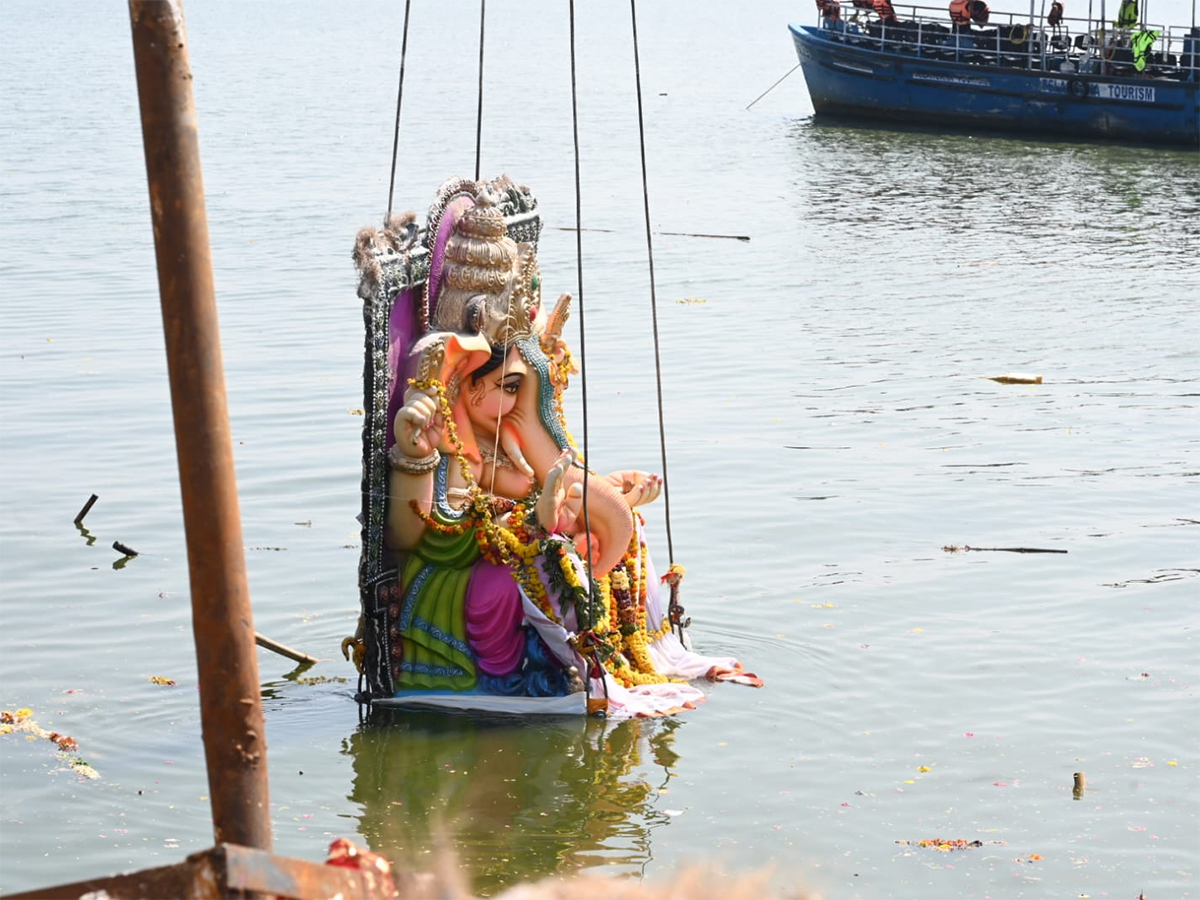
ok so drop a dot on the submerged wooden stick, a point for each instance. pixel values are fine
(282, 650)
(952, 548)
(121, 548)
(1016, 378)
(730, 237)
(87, 507)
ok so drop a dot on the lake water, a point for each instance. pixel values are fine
(830, 430)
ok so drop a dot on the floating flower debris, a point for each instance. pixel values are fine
(22, 721)
(161, 679)
(943, 845)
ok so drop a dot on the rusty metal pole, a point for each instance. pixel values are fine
(230, 705)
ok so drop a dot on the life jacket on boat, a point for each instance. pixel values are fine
(1140, 44)
(979, 11)
(883, 9)
(830, 9)
(1127, 17)
(959, 12)
(1056, 14)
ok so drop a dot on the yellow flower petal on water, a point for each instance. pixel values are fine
(918, 629)
(923, 768)
(24, 712)
(910, 781)
(1172, 762)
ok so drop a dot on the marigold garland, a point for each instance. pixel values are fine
(620, 600)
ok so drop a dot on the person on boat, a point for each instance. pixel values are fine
(980, 12)
(883, 9)
(960, 13)
(1127, 15)
(1054, 19)
(831, 11)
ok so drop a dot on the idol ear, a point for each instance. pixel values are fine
(461, 355)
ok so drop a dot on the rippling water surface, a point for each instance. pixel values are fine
(830, 432)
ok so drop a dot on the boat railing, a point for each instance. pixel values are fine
(1015, 40)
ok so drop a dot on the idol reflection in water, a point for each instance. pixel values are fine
(514, 800)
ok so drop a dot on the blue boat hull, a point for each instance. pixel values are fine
(863, 81)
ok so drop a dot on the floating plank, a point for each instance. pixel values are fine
(1016, 378)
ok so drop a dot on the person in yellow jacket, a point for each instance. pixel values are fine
(1127, 16)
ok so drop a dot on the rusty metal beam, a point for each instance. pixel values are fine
(229, 871)
(230, 705)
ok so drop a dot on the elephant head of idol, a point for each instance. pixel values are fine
(484, 305)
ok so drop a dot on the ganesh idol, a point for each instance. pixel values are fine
(500, 571)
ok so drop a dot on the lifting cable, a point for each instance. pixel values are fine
(662, 433)
(399, 97)
(479, 113)
(582, 330)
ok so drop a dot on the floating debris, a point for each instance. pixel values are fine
(80, 767)
(944, 845)
(87, 507)
(744, 238)
(65, 742)
(966, 548)
(1015, 378)
(321, 679)
(161, 679)
(22, 721)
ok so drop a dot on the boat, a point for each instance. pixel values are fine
(1022, 73)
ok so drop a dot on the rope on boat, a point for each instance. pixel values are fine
(479, 113)
(399, 97)
(662, 432)
(776, 84)
(587, 527)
